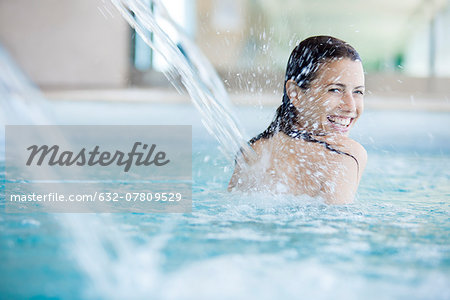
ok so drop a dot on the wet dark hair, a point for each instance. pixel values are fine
(302, 67)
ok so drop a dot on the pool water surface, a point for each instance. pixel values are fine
(391, 243)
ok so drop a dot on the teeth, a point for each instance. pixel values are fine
(340, 120)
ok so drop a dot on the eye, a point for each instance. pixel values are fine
(359, 92)
(334, 90)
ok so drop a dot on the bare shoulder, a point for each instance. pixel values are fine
(260, 144)
(240, 177)
(346, 185)
(246, 166)
(357, 150)
(354, 148)
(350, 146)
(261, 147)
(257, 147)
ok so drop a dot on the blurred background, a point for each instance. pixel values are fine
(85, 50)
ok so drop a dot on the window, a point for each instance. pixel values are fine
(183, 13)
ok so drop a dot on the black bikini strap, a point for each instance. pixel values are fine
(307, 136)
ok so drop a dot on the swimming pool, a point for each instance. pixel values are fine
(392, 243)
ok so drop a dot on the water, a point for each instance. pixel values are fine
(21, 102)
(392, 243)
(188, 63)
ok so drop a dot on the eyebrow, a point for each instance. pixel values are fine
(344, 86)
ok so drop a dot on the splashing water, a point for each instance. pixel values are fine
(96, 242)
(197, 75)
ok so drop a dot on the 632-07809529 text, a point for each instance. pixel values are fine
(96, 196)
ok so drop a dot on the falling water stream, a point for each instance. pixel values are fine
(185, 60)
(95, 240)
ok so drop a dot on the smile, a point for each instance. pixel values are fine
(340, 123)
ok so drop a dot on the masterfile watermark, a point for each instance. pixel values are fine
(94, 157)
(120, 168)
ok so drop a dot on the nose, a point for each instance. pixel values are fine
(348, 102)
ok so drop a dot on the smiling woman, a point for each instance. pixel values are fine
(305, 150)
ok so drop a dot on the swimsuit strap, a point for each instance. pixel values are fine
(307, 136)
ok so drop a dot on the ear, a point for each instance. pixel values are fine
(293, 91)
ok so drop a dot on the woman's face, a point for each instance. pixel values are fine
(334, 100)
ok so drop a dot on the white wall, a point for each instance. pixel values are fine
(67, 43)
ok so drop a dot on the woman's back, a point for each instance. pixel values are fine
(297, 166)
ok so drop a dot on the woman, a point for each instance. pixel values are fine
(306, 150)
